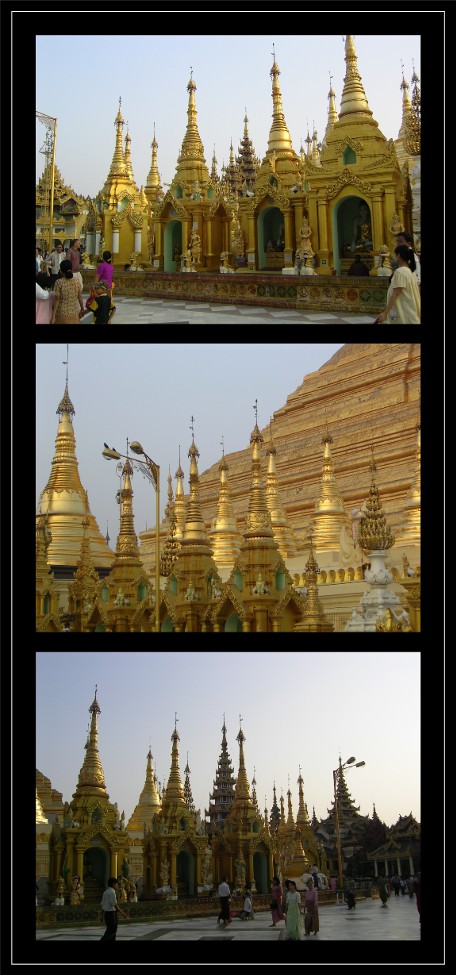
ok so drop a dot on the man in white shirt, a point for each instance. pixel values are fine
(224, 894)
(54, 261)
(110, 908)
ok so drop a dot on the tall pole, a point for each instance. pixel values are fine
(336, 807)
(51, 202)
(157, 548)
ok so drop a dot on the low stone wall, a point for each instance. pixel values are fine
(313, 293)
(69, 915)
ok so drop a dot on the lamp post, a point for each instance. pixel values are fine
(151, 470)
(337, 773)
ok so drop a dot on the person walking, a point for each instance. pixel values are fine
(44, 300)
(110, 910)
(276, 902)
(73, 254)
(105, 270)
(351, 899)
(407, 240)
(311, 918)
(101, 314)
(68, 304)
(54, 261)
(403, 301)
(294, 917)
(225, 896)
(383, 890)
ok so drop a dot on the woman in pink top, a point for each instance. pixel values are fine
(311, 919)
(105, 270)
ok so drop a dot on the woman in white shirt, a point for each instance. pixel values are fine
(403, 301)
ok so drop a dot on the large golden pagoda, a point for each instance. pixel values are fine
(64, 504)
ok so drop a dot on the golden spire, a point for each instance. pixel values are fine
(313, 619)
(279, 136)
(194, 529)
(290, 819)
(242, 791)
(258, 519)
(302, 817)
(171, 547)
(188, 788)
(91, 776)
(40, 817)
(332, 111)
(224, 534)
(153, 186)
(353, 101)
(374, 533)
(149, 801)
(128, 165)
(413, 125)
(180, 503)
(65, 501)
(191, 164)
(330, 514)
(174, 790)
(283, 533)
(118, 167)
(127, 542)
(406, 108)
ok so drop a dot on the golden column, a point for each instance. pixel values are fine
(79, 862)
(113, 863)
(377, 221)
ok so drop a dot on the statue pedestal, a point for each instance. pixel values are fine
(379, 603)
(227, 270)
(290, 270)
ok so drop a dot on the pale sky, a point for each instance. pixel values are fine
(150, 393)
(298, 709)
(150, 72)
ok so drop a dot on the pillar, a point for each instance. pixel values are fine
(79, 863)
(246, 626)
(173, 878)
(137, 240)
(198, 869)
(398, 862)
(97, 242)
(113, 863)
(89, 242)
(70, 855)
(115, 245)
(208, 249)
(377, 222)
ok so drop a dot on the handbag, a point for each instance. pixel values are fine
(273, 905)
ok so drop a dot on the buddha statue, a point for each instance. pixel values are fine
(362, 230)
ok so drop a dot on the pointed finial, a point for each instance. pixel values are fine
(176, 719)
(127, 445)
(66, 364)
(191, 73)
(192, 428)
(255, 407)
(273, 51)
(222, 446)
(240, 720)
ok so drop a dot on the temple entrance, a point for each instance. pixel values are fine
(260, 871)
(95, 872)
(233, 624)
(271, 239)
(352, 233)
(185, 872)
(172, 246)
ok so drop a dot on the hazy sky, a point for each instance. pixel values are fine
(151, 72)
(149, 393)
(347, 701)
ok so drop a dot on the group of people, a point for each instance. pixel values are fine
(291, 912)
(226, 914)
(59, 287)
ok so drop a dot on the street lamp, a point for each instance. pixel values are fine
(337, 774)
(151, 470)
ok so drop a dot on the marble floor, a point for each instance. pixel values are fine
(156, 311)
(369, 921)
